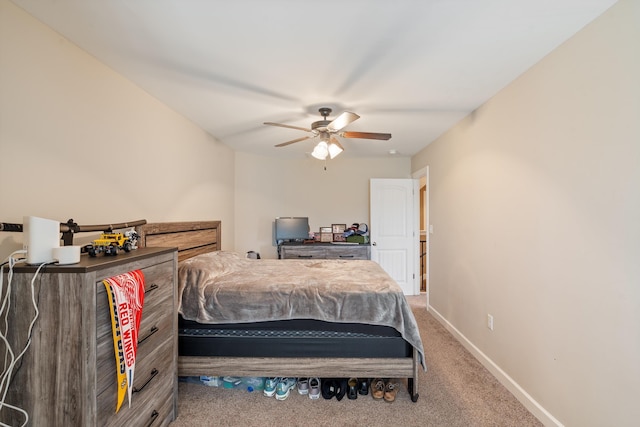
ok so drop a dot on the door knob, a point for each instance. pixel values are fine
(374, 243)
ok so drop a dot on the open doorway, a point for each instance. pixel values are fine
(423, 236)
(423, 251)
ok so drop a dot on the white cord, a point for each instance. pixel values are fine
(11, 260)
(26, 415)
(6, 304)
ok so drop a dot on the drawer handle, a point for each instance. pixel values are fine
(346, 256)
(152, 287)
(154, 372)
(152, 331)
(154, 416)
(305, 256)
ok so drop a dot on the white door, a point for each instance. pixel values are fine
(394, 227)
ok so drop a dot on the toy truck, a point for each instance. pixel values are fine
(110, 243)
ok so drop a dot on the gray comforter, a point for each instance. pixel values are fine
(224, 287)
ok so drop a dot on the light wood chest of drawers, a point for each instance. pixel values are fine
(67, 377)
(325, 251)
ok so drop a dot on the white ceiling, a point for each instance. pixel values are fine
(412, 68)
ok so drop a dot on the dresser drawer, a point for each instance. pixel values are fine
(157, 414)
(152, 387)
(155, 329)
(155, 325)
(158, 287)
(348, 252)
(303, 252)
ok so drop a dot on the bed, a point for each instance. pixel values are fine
(295, 318)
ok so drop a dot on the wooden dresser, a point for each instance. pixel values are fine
(67, 377)
(324, 251)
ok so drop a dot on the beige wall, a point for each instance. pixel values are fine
(105, 151)
(267, 187)
(535, 204)
(79, 141)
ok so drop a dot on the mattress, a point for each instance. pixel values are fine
(226, 288)
(291, 338)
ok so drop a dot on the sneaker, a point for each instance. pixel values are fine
(329, 387)
(303, 386)
(284, 387)
(314, 388)
(342, 388)
(270, 385)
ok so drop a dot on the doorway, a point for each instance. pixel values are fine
(423, 237)
(425, 231)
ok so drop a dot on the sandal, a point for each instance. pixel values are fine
(390, 392)
(377, 388)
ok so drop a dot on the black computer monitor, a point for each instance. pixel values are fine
(292, 228)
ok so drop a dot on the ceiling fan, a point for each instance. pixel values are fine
(327, 130)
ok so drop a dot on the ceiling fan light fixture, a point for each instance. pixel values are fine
(334, 150)
(321, 151)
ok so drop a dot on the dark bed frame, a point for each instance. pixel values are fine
(290, 348)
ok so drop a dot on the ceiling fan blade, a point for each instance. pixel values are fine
(293, 141)
(366, 135)
(341, 121)
(287, 126)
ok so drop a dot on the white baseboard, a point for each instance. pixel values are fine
(525, 398)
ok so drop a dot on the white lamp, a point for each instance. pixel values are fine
(328, 146)
(321, 151)
(335, 148)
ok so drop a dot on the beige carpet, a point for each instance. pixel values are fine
(456, 390)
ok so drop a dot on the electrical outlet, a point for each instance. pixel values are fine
(490, 321)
